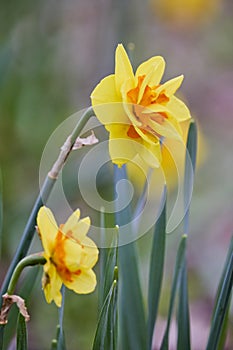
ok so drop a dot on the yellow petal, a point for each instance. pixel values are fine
(121, 147)
(111, 113)
(51, 284)
(171, 86)
(48, 229)
(123, 68)
(150, 153)
(129, 108)
(82, 283)
(72, 254)
(154, 68)
(178, 109)
(89, 253)
(105, 91)
(165, 129)
(147, 136)
(76, 228)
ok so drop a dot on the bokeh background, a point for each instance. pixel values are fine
(52, 54)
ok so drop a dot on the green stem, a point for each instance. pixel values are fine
(30, 260)
(46, 189)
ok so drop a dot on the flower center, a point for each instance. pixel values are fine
(58, 258)
(149, 97)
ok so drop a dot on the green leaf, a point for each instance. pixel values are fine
(156, 269)
(21, 339)
(108, 261)
(103, 256)
(60, 332)
(1, 212)
(222, 302)
(133, 333)
(190, 165)
(111, 265)
(175, 283)
(183, 340)
(106, 333)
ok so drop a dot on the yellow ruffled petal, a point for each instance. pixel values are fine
(72, 254)
(83, 282)
(47, 229)
(154, 68)
(165, 129)
(178, 109)
(123, 68)
(51, 283)
(75, 228)
(171, 86)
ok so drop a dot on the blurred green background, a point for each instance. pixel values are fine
(52, 54)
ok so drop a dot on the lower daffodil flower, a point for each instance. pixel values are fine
(69, 253)
(137, 110)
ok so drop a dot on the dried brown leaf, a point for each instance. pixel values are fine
(86, 141)
(8, 301)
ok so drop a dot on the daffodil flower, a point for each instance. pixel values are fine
(137, 110)
(69, 253)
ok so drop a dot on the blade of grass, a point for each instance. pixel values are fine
(222, 301)
(131, 309)
(175, 284)
(156, 269)
(21, 338)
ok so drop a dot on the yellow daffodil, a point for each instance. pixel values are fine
(69, 253)
(137, 110)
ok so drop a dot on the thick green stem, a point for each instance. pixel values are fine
(30, 260)
(46, 189)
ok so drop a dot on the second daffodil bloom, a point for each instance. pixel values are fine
(69, 253)
(138, 110)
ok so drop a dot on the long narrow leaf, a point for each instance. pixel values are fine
(1, 212)
(131, 309)
(60, 335)
(183, 318)
(222, 301)
(21, 339)
(111, 263)
(102, 260)
(190, 165)
(175, 284)
(107, 325)
(156, 269)
(183, 340)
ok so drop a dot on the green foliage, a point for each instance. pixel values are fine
(175, 284)
(156, 269)
(21, 339)
(106, 332)
(222, 301)
(132, 330)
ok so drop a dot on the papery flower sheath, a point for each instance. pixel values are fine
(70, 255)
(138, 110)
